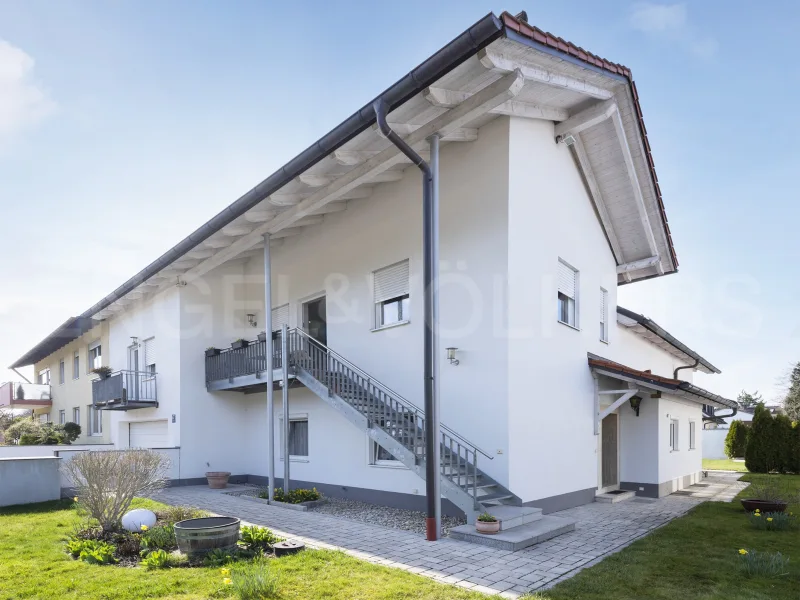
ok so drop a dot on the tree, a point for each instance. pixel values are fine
(791, 403)
(761, 454)
(107, 481)
(783, 439)
(22, 427)
(72, 431)
(747, 400)
(736, 440)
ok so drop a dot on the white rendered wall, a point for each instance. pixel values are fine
(639, 442)
(636, 352)
(674, 465)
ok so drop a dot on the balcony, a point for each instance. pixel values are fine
(125, 390)
(242, 368)
(15, 394)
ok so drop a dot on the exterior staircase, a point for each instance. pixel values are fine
(397, 425)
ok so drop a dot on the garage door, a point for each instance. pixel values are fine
(149, 434)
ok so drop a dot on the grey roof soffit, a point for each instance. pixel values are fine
(665, 335)
(477, 37)
(70, 330)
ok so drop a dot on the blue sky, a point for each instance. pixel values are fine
(124, 125)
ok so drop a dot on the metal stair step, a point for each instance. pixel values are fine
(492, 498)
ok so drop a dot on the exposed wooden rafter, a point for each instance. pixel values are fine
(448, 98)
(596, 113)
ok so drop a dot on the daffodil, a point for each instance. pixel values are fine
(225, 572)
(756, 514)
(75, 498)
(769, 519)
(227, 581)
(144, 527)
(742, 551)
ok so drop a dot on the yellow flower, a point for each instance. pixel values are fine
(225, 572)
(742, 551)
(75, 498)
(227, 581)
(769, 519)
(756, 514)
(144, 528)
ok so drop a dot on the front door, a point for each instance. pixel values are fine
(610, 470)
(315, 320)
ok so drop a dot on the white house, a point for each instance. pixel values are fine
(549, 393)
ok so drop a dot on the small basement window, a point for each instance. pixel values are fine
(298, 437)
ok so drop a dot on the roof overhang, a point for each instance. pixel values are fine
(70, 330)
(658, 336)
(673, 387)
(499, 66)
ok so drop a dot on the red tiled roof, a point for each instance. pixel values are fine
(552, 41)
(607, 364)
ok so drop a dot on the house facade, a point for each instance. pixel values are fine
(549, 393)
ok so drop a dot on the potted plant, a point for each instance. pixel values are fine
(102, 372)
(217, 480)
(487, 524)
(767, 495)
(262, 337)
(239, 344)
(211, 351)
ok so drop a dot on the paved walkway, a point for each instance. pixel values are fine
(601, 529)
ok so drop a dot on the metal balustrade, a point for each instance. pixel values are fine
(248, 360)
(125, 390)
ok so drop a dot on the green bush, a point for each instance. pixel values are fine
(157, 559)
(92, 551)
(763, 564)
(783, 438)
(259, 538)
(72, 431)
(24, 426)
(293, 496)
(736, 440)
(794, 457)
(761, 454)
(173, 514)
(158, 538)
(218, 558)
(254, 581)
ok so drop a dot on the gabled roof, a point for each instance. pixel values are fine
(657, 335)
(500, 65)
(675, 387)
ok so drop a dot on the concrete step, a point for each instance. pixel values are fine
(614, 496)
(514, 516)
(516, 538)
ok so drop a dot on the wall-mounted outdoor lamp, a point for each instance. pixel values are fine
(451, 356)
(636, 402)
(251, 320)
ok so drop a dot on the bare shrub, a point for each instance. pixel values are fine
(107, 482)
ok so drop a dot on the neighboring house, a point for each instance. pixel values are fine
(548, 201)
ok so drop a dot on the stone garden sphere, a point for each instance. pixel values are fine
(134, 519)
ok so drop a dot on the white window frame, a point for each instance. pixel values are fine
(98, 414)
(43, 377)
(572, 303)
(95, 345)
(294, 418)
(692, 434)
(76, 414)
(674, 435)
(44, 418)
(62, 416)
(76, 365)
(604, 315)
(402, 299)
(373, 448)
(62, 371)
(145, 355)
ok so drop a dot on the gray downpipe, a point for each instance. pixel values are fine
(428, 242)
(694, 366)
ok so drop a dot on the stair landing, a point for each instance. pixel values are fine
(516, 538)
(614, 496)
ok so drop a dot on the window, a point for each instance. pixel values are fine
(280, 317)
(692, 435)
(61, 371)
(45, 418)
(150, 356)
(94, 357)
(76, 365)
(391, 294)
(95, 421)
(567, 294)
(380, 455)
(298, 437)
(673, 435)
(603, 315)
(44, 377)
(62, 417)
(76, 415)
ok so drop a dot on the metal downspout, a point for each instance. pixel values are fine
(270, 349)
(694, 366)
(429, 242)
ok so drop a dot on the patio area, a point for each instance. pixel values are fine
(601, 529)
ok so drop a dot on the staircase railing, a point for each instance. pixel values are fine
(386, 409)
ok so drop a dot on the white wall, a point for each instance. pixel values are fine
(639, 442)
(672, 466)
(636, 352)
(714, 443)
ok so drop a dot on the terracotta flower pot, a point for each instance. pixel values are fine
(764, 506)
(217, 480)
(487, 527)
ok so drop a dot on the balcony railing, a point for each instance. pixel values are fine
(125, 390)
(230, 363)
(22, 395)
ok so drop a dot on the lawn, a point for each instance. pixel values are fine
(33, 565)
(723, 464)
(692, 558)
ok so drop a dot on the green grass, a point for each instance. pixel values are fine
(33, 565)
(692, 558)
(723, 464)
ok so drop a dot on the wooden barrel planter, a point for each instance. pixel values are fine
(197, 537)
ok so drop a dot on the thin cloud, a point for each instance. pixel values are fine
(671, 22)
(23, 102)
